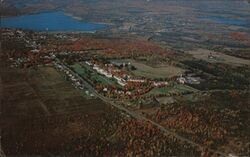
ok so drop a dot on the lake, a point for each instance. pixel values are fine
(51, 21)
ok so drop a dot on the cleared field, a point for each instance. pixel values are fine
(155, 73)
(176, 89)
(43, 113)
(46, 91)
(218, 57)
(51, 87)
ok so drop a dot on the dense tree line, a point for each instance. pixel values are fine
(227, 77)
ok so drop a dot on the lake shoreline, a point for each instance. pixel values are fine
(55, 21)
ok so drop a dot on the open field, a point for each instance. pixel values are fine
(168, 90)
(155, 73)
(218, 57)
(78, 68)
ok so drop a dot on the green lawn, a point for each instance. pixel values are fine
(84, 71)
(79, 69)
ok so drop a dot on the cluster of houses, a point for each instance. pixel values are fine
(188, 80)
(31, 43)
(109, 71)
(65, 36)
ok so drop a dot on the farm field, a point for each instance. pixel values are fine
(44, 101)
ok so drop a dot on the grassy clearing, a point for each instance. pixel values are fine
(79, 69)
(155, 73)
(87, 72)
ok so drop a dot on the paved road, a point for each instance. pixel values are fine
(141, 117)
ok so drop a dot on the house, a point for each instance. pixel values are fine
(181, 80)
(105, 89)
(136, 80)
(122, 83)
(157, 84)
(193, 80)
(88, 63)
(35, 51)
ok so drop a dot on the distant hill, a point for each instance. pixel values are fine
(7, 9)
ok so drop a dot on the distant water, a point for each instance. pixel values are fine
(52, 21)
